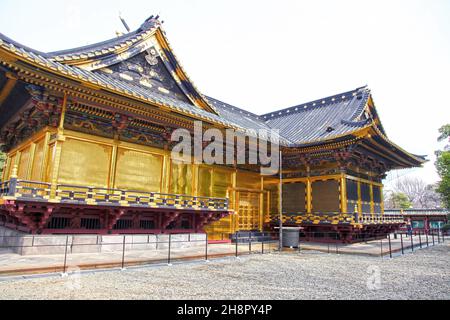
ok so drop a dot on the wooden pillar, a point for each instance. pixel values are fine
(58, 149)
(165, 183)
(113, 166)
(6, 168)
(56, 159)
(343, 193)
(359, 197)
(372, 203)
(261, 206)
(308, 191)
(195, 180)
(45, 159)
(235, 218)
(382, 199)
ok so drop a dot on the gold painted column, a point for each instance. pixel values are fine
(261, 206)
(308, 192)
(113, 166)
(45, 158)
(58, 150)
(55, 170)
(343, 193)
(359, 197)
(195, 180)
(5, 168)
(166, 172)
(372, 204)
(235, 218)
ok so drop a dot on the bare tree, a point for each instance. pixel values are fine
(421, 195)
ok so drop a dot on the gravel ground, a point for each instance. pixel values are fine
(308, 275)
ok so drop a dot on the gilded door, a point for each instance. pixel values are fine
(249, 213)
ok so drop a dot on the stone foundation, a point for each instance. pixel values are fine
(27, 245)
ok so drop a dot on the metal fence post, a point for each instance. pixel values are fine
(439, 236)
(206, 248)
(236, 241)
(336, 239)
(412, 242)
(432, 236)
(65, 255)
(170, 246)
(390, 246)
(426, 233)
(381, 247)
(401, 241)
(249, 243)
(123, 251)
(420, 239)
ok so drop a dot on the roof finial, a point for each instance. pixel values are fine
(124, 22)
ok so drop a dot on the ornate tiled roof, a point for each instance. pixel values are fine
(107, 47)
(108, 66)
(322, 119)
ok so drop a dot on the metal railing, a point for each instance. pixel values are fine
(26, 190)
(373, 244)
(340, 218)
(61, 253)
(68, 252)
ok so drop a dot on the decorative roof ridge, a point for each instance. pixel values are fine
(16, 44)
(356, 123)
(312, 104)
(363, 95)
(331, 139)
(148, 26)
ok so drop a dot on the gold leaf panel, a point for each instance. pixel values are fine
(23, 165)
(37, 161)
(204, 182)
(181, 179)
(138, 171)
(84, 163)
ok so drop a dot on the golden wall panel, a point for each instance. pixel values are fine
(38, 161)
(11, 163)
(49, 168)
(294, 198)
(247, 180)
(222, 181)
(204, 182)
(23, 164)
(325, 196)
(84, 163)
(138, 171)
(181, 179)
(272, 199)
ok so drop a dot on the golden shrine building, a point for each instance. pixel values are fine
(87, 136)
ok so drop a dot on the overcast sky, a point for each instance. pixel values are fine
(268, 55)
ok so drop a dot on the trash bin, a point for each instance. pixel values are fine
(291, 237)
